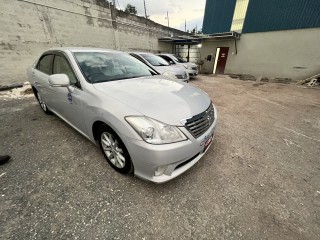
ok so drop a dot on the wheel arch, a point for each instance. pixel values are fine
(95, 132)
(95, 128)
(35, 92)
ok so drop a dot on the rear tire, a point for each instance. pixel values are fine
(114, 150)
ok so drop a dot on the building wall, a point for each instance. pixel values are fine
(28, 27)
(218, 16)
(291, 54)
(274, 15)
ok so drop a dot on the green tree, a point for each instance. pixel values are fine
(130, 9)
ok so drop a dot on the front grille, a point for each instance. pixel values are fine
(194, 68)
(199, 124)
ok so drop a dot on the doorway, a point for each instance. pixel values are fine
(220, 60)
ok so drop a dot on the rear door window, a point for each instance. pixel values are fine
(45, 63)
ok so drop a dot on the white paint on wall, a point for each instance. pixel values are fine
(216, 60)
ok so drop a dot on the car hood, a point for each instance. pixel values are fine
(158, 97)
(173, 69)
(189, 64)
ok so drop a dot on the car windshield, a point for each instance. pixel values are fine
(110, 66)
(155, 60)
(178, 59)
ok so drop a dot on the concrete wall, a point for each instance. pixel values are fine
(28, 27)
(291, 54)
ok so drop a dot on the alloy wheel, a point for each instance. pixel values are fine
(41, 102)
(112, 150)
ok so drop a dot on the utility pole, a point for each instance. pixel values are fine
(145, 9)
(167, 18)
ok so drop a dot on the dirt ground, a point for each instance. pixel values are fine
(259, 180)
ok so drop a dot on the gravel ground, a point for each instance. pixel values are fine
(259, 180)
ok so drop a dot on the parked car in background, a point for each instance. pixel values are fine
(162, 66)
(191, 68)
(143, 122)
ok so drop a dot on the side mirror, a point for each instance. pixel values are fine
(171, 62)
(59, 80)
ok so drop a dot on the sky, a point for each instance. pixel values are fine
(179, 10)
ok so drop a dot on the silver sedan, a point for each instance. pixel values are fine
(162, 66)
(144, 123)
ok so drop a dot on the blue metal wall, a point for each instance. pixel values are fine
(218, 16)
(273, 15)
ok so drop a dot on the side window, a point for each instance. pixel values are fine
(61, 65)
(44, 64)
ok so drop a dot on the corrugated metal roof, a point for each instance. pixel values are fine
(218, 16)
(273, 15)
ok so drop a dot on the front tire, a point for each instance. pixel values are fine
(114, 150)
(41, 102)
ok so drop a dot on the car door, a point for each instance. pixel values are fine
(40, 76)
(68, 101)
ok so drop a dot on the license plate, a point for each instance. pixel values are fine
(207, 143)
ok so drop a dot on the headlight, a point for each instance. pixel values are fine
(155, 132)
(170, 75)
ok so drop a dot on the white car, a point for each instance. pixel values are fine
(143, 122)
(191, 68)
(162, 66)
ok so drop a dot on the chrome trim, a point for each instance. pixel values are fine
(200, 123)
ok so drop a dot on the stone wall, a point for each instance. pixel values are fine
(28, 27)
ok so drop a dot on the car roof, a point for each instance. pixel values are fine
(166, 54)
(139, 53)
(82, 49)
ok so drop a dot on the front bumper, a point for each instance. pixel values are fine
(192, 72)
(178, 157)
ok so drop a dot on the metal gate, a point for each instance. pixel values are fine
(194, 52)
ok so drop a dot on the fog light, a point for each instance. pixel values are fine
(160, 170)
